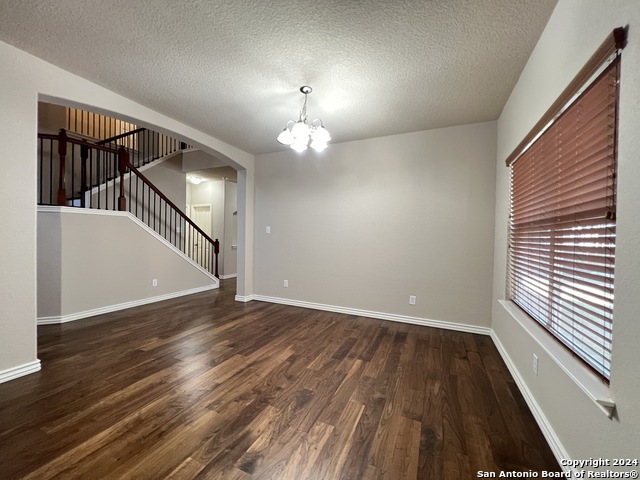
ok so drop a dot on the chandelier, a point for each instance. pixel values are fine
(301, 134)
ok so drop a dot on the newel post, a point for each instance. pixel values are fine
(123, 160)
(216, 251)
(84, 155)
(62, 172)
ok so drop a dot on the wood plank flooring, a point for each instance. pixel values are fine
(206, 387)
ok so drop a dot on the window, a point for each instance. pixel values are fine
(562, 223)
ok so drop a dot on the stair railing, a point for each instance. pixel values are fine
(148, 203)
(144, 146)
(97, 176)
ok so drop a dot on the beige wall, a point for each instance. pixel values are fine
(25, 80)
(199, 160)
(246, 231)
(49, 265)
(365, 224)
(577, 426)
(97, 268)
(18, 197)
(170, 179)
(229, 247)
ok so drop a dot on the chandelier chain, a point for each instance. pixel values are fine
(303, 112)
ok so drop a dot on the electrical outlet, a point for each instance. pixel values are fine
(154, 282)
(412, 299)
(286, 283)
(535, 364)
(267, 229)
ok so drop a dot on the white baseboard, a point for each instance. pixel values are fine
(244, 299)
(19, 371)
(547, 430)
(121, 306)
(460, 327)
(231, 275)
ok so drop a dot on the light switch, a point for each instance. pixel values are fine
(267, 229)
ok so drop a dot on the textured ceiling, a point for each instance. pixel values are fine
(233, 68)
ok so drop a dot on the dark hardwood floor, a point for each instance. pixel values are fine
(206, 387)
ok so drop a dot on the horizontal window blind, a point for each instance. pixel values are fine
(562, 224)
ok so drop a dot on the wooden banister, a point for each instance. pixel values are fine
(76, 141)
(84, 156)
(216, 251)
(122, 135)
(123, 161)
(62, 171)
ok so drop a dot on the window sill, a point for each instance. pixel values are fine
(592, 386)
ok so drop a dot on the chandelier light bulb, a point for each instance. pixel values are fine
(321, 134)
(285, 137)
(318, 146)
(300, 131)
(299, 146)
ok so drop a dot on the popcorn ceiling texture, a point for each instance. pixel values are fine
(233, 68)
